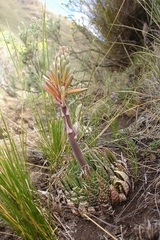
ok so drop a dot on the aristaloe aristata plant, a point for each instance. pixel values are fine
(57, 83)
(104, 181)
(107, 185)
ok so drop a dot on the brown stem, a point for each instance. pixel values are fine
(75, 147)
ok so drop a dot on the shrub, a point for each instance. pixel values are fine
(119, 26)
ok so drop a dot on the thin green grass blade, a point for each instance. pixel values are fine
(19, 200)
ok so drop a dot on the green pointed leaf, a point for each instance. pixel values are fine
(76, 90)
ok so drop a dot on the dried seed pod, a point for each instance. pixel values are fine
(123, 175)
(91, 210)
(122, 197)
(83, 206)
(114, 195)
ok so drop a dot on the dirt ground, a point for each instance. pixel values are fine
(136, 219)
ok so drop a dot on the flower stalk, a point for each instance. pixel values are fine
(57, 83)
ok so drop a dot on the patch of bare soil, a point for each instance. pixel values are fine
(136, 219)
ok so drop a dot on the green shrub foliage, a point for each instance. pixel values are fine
(120, 26)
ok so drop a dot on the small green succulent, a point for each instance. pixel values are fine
(107, 185)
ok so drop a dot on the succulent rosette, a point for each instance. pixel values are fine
(107, 185)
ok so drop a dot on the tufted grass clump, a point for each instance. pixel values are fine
(52, 140)
(20, 205)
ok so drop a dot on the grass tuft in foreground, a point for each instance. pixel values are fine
(19, 204)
